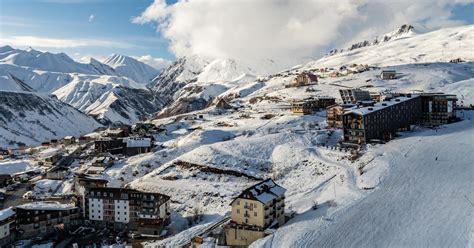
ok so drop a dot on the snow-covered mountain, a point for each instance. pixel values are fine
(436, 46)
(192, 83)
(32, 118)
(111, 93)
(403, 31)
(129, 67)
(110, 99)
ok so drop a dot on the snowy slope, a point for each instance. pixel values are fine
(129, 67)
(33, 118)
(425, 199)
(437, 46)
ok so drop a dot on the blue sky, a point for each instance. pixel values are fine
(98, 27)
(71, 20)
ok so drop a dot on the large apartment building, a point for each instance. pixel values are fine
(43, 218)
(382, 120)
(128, 209)
(254, 210)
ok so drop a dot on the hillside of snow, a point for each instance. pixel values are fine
(422, 199)
(437, 46)
(131, 68)
(32, 118)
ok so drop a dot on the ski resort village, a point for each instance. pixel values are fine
(366, 146)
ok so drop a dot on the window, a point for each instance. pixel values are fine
(238, 211)
(255, 214)
(238, 202)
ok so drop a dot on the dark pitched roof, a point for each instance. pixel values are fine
(264, 192)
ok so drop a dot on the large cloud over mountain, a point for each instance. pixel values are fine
(285, 30)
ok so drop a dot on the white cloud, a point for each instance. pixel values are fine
(42, 42)
(285, 30)
(91, 17)
(157, 63)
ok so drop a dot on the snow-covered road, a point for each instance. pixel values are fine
(425, 200)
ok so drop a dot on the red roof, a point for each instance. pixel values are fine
(312, 77)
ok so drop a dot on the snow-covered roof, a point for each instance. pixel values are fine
(138, 142)
(380, 105)
(264, 192)
(68, 137)
(6, 213)
(49, 152)
(46, 206)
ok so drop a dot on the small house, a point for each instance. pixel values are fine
(50, 156)
(54, 143)
(4, 154)
(137, 145)
(69, 140)
(304, 79)
(388, 74)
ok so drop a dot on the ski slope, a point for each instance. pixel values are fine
(425, 199)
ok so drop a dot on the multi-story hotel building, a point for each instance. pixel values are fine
(128, 209)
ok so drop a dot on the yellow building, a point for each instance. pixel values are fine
(256, 209)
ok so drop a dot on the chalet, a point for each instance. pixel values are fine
(117, 133)
(438, 108)
(388, 74)
(334, 114)
(305, 107)
(253, 211)
(137, 145)
(382, 120)
(95, 170)
(109, 145)
(26, 175)
(45, 144)
(354, 95)
(304, 79)
(129, 209)
(43, 218)
(69, 140)
(7, 226)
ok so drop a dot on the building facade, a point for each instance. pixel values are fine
(438, 108)
(305, 107)
(128, 209)
(382, 120)
(44, 218)
(253, 211)
(7, 226)
(334, 114)
(354, 95)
